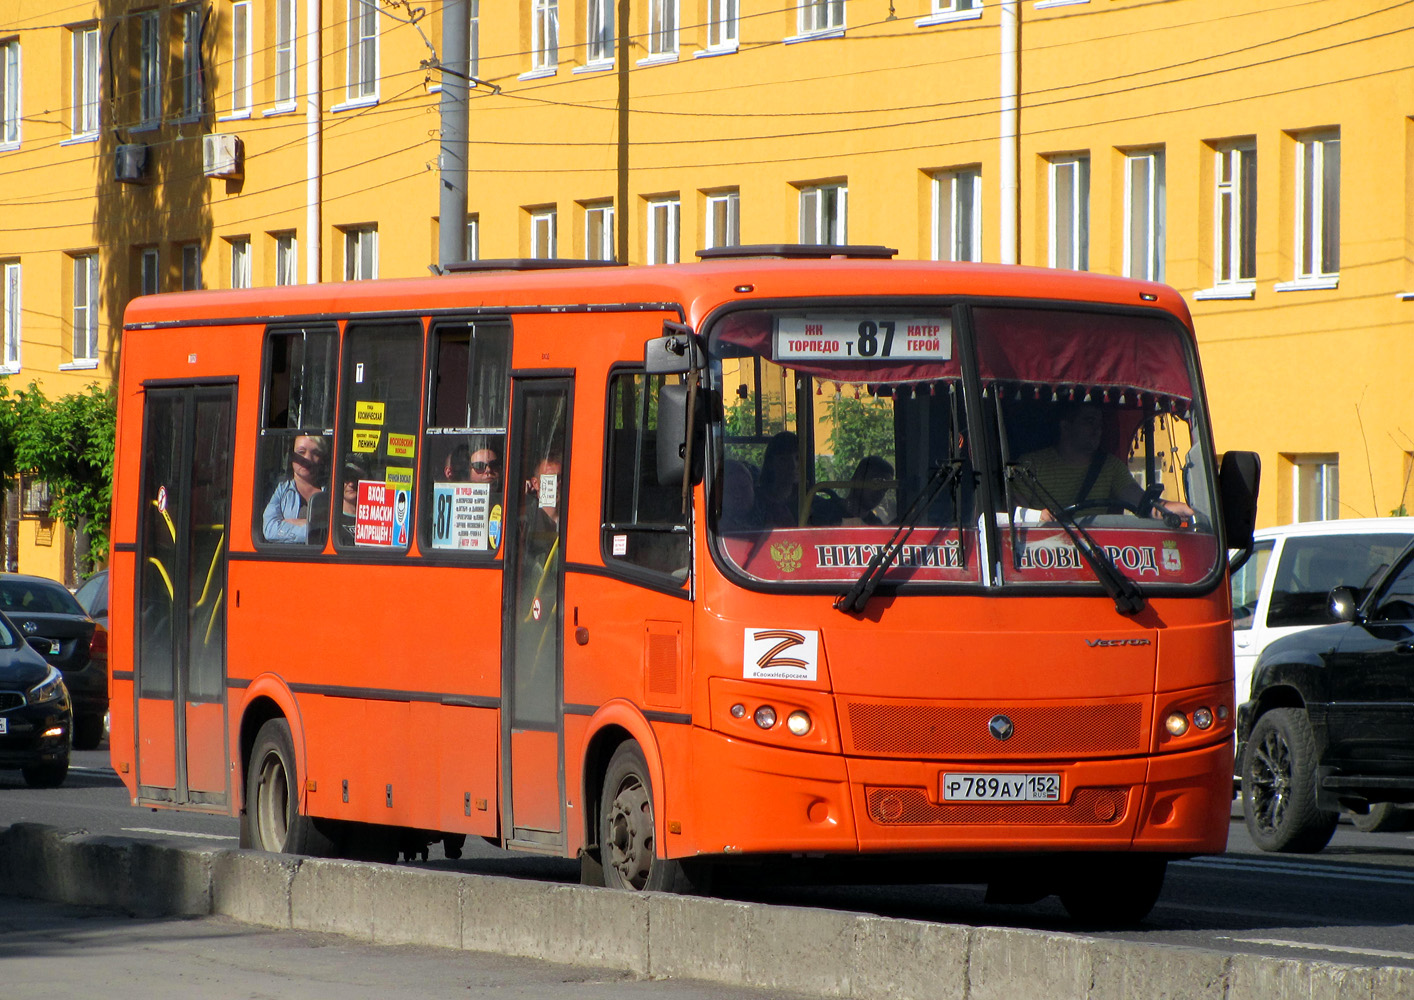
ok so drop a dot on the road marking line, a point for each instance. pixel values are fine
(177, 833)
(1310, 946)
(1381, 875)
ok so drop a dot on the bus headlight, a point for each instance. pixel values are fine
(765, 716)
(798, 723)
(1176, 724)
(1203, 717)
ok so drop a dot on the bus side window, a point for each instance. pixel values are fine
(296, 436)
(644, 524)
(464, 445)
(381, 389)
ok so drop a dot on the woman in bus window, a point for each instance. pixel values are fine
(287, 513)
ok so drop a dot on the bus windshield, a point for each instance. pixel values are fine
(838, 424)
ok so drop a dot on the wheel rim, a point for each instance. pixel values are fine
(1270, 777)
(629, 843)
(272, 803)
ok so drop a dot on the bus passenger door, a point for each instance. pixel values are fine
(532, 727)
(180, 661)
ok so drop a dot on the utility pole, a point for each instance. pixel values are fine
(456, 120)
(1010, 152)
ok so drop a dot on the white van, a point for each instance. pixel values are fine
(1283, 587)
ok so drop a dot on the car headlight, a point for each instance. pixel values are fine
(50, 689)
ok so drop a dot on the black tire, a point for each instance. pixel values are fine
(1112, 890)
(50, 774)
(628, 840)
(1279, 786)
(272, 820)
(1384, 817)
(88, 732)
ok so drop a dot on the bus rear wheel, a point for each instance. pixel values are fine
(628, 840)
(272, 820)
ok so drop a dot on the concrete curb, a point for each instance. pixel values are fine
(823, 952)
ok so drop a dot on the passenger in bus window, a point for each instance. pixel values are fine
(738, 497)
(777, 488)
(354, 471)
(287, 512)
(466, 466)
(871, 478)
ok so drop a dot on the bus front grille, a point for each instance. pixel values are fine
(910, 807)
(951, 731)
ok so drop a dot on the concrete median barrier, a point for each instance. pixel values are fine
(823, 952)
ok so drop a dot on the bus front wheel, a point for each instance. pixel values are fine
(628, 841)
(272, 820)
(1112, 890)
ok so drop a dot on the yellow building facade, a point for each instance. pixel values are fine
(1259, 157)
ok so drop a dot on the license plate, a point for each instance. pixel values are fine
(55, 647)
(4, 725)
(1001, 787)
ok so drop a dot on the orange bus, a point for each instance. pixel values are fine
(794, 553)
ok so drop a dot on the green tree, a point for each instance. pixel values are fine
(859, 427)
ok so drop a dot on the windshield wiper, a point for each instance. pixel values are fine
(857, 596)
(1128, 598)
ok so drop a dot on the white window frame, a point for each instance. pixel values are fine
(957, 214)
(1317, 247)
(362, 65)
(149, 272)
(86, 306)
(191, 267)
(723, 25)
(242, 54)
(664, 229)
(193, 86)
(473, 48)
(1069, 228)
(1319, 474)
(473, 236)
(286, 258)
(1234, 221)
(11, 315)
(361, 253)
(545, 35)
(726, 230)
(947, 11)
(1144, 214)
(599, 39)
(663, 23)
(544, 236)
(286, 58)
(819, 17)
(240, 262)
(824, 214)
(84, 83)
(599, 230)
(10, 78)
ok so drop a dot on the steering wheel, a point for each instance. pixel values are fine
(1105, 505)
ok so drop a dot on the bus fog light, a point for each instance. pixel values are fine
(798, 723)
(1176, 724)
(738, 711)
(765, 716)
(1202, 717)
(1222, 713)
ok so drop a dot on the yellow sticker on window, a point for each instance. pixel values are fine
(398, 477)
(369, 413)
(366, 441)
(401, 445)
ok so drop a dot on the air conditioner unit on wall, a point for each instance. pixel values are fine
(130, 164)
(222, 155)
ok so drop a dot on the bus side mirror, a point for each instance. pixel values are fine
(673, 430)
(1238, 477)
(675, 353)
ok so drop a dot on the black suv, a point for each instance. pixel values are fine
(1330, 724)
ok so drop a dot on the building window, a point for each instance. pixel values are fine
(363, 50)
(149, 277)
(723, 24)
(84, 97)
(191, 267)
(1070, 212)
(1316, 487)
(285, 62)
(1144, 215)
(193, 82)
(1235, 215)
(662, 27)
(599, 231)
(473, 48)
(957, 214)
(663, 217)
(821, 15)
(10, 93)
(599, 32)
(823, 210)
(240, 57)
(10, 312)
(149, 70)
(473, 237)
(955, 6)
(1317, 206)
(286, 262)
(85, 307)
(723, 219)
(545, 34)
(240, 263)
(542, 234)
(360, 253)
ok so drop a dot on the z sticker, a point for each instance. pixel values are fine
(780, 654)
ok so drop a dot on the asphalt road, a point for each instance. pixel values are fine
(1352, 903)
